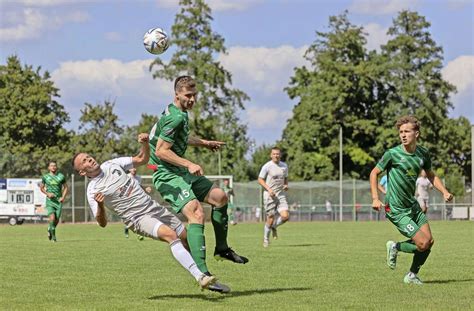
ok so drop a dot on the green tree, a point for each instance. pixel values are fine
(414, 82)
(31, 121)
(215, 115)
(337, 91)
(99, 132)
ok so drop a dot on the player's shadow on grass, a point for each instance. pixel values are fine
(211, 296)
(447, 281)
(298, 245)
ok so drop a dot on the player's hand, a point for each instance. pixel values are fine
(143, 138)
(213, 145)
(61, 199)
(50, 195)
(285, 187)
(195, 169)
(377, 205)
(99, 197)
(148, 189)
(271, 193)
(448, 196)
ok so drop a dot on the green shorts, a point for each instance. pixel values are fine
(180, 189)
(409, 222)
(54, 206)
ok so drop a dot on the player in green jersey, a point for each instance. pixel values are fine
(53, 185)
(181, 182)
(403, 164)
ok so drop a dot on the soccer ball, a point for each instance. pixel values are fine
(156, 41)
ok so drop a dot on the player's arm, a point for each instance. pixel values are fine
(438, 184)
(209, 144)
(101, 215)
(376, 203)
(64, 192)
(262, 183)
(144, 154)
(285, 184)
(43, 189)
(164, 152)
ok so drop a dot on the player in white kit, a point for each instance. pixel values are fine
(273, 178)
(110, 185)
(423, 185)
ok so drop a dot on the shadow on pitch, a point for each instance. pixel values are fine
(447, 281)
(211, 296)
(297, 245)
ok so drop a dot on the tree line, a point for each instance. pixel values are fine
(345, 86)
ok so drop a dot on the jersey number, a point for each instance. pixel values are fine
(410, 227)
(184, 194)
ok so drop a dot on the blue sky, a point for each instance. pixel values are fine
(94, 50)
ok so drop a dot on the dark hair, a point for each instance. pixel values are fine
(183, 81)
(409, 119)
(276, 148)
(52, 161)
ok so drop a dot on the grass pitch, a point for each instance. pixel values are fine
(313, 266)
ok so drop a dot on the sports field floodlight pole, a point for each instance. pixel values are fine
(340, 173)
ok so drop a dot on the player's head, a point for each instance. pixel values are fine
(226, 182)
(423, 173)
(275, 154)
(408, 129)
(52, 167)
(185, 92)
(85, 165)
(133, 171)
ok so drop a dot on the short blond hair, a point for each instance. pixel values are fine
(183, 81)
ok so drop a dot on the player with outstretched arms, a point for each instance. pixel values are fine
(110, 186)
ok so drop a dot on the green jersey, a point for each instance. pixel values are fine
(54, 184)
(173, 128)
(403, 169)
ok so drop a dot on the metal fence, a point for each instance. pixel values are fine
(308, 201)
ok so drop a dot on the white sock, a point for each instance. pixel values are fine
(184, 258)
(278, 222)
(266, 232)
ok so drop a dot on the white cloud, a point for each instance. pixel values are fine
(263, 69)
(31, 23)
(129, 84)
(215, 5)
(267, 118)
(377, 36)
(460, 72)
(382, 7)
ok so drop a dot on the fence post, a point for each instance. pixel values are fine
(73, 199)
(85, 199)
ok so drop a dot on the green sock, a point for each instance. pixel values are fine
(197, 245)
(406, 246)
(418, 260)
(51, 226)
(219, 222)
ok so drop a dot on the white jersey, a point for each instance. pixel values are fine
(123, 194)
(274, 175)
(423, 185)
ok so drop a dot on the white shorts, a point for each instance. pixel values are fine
(422, 201)
(149, 224)
(275, 204)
